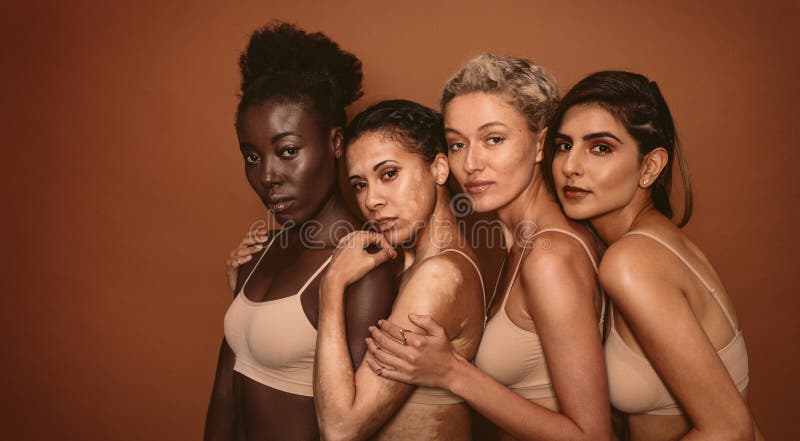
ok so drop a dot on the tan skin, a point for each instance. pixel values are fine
(406, 197)
(289, 157)
(496, 156)
(661, 309)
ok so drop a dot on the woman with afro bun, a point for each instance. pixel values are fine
(289, 122)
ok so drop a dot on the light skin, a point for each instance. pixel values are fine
(394, 184)
(289, 156)
(495, 155)
(661, 309)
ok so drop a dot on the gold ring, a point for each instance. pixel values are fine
(403, 334)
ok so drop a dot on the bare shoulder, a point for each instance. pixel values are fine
(440, 275)
(633, 266)
(555, 257)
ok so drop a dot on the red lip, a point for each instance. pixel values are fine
(571, 192)
(475, 187)
(278, 203)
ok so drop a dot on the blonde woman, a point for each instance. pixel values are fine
(539, 371)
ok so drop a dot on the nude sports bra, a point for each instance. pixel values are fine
(513, 356)
(273, 341)
(432, 395)
(635, 387)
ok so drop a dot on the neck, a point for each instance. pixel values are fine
(529, 211)
(440, 231)
(319, 231)
(613, 225)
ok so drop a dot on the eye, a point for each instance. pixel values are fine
(359, 185)
(288, 152)
(494, 140)
(601, 149)
(456, 146)
(388, 175)
(251, 158)
(562, 146)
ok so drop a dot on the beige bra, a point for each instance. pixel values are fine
(273, 340)
(432, 395)
(635, 387)
(513, 356)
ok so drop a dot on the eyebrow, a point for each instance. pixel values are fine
(489, 124)
(375, 167)
(282, 135)
(601, 135)
(590, 136)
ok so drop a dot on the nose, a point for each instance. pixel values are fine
(572, 164)
(473, 159)
(374, 199)
(270, 175)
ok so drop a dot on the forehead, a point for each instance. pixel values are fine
(590, 118)
(373, 148)
(271, 118)
(472, 110)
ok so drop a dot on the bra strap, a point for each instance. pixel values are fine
(603, 307)
(259, 259)
(474, 265)
(316, 273)
(691, 268)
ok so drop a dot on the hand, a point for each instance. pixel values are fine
(402, 355)
(250, 244)
(357, 254)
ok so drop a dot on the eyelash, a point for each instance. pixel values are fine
(608, 149)
(456, 146)
(391, 170)
(251, 158)
(288, 152)
(499, 140)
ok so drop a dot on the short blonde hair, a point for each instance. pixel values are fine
(531, 90)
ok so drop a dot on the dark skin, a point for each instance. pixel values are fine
(290, 162)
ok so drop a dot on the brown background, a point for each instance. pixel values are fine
(124, 189)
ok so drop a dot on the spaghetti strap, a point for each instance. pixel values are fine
(478, 270)
(691, 268)
(316, 273)
(259, 259)
(603, 307)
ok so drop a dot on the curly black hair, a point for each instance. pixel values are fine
(283, 62)
(412, 125)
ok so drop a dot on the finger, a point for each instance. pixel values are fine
(387, 373)
(387, 359)
(389, 343)
(248, 251)
(427, 323)
(396, 332)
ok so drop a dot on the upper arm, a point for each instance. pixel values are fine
(367, 301)
(674, 341)
(424, 293)
(560, 286)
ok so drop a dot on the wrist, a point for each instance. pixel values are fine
(456, 377)
(332, 284)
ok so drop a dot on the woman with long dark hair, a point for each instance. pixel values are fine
(676, 359)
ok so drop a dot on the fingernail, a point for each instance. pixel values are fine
(371, 328)
(380, 322)
(258, 246)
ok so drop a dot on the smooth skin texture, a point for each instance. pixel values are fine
(405, 197)
(494, 153)
(289, 157)
(661, 309)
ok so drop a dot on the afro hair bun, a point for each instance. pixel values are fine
(281, 53)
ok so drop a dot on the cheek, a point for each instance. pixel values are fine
(617, 180)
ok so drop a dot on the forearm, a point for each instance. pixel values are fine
(521, 418)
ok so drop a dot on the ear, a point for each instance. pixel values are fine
(540, 137)
(440, 168)
(336, 141)
(652, 165)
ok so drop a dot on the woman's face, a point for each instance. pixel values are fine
(395, 189)
(596, 166)
(492, 151)
(289, 159)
